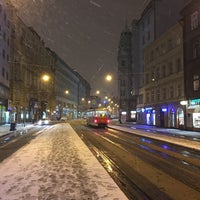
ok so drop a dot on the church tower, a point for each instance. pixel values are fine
(125, 75)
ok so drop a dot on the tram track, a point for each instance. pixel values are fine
(130, 188)
(127, 183)
(185, 165)
(139, 166)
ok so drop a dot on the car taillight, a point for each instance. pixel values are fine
(108, 121)
(95, 121)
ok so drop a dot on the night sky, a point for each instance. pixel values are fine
(84, 33)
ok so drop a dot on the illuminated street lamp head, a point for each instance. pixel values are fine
(97, 92)
(108, 77)
(66, 91)
(45, 77)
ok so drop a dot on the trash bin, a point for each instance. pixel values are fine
(12, 126)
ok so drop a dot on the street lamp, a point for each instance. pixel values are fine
(97, 92)
(45, 77)
(108, 77)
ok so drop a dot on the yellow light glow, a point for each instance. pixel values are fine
(108, 77)
(97, 92)
(45, 77)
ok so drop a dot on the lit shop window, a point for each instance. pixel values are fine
(196, 120)
(180, 116)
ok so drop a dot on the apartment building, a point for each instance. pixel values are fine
(163, 87)
(157, 17)
(125, 76)
(34, 81)
(191, 37)
(5, 54)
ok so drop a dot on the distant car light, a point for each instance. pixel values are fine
(44, 122)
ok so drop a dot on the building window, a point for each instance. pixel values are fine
(4, 54)
(148, 20)
(4, 16)
(163, 48)
(147, 78)
(147, 97)
(143, 39)
(122, 93)
(151, 55)
(3, 71)
(140, 99)
(4, 36)
(157, 73)
(157, 51)
(170, 68)
(194, 20)
(153, 77)
(196, 82)
(178, 40)
(164, 71)
(196, 49)
(122, 83)
(123, 63)
(178, 64)
(179, 90)
(152, 95)
(143, 26)
(158, 94)
(149, 35)
(164, 93)
(171, 92)
(170, 44)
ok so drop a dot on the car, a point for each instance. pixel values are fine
(44, 121)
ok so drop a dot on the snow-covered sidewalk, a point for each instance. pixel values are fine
(56, 165)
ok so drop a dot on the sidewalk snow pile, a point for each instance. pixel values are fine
(56, 165)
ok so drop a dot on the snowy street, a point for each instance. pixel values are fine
(56, 165)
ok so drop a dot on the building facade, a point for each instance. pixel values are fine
(163, 88)
(30, 61)
(191, 36)
(66, 90)
(5, 54)
(126, 101)
(157, 17)
(35, 82)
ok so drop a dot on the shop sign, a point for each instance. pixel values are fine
(164, 109)
(148, 108)
(195, 102)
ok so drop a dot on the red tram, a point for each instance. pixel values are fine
(98, 117)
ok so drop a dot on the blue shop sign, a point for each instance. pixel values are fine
(195, 102)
